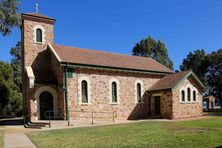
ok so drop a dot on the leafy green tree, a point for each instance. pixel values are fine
(15, 104)
(11, 84)
(6, 84)
(8, 16)
(16, 64)
(214, 74)
(208, 67)
(197, 62)
(162, 55)
(150, 48)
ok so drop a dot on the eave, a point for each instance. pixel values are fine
(97, 67)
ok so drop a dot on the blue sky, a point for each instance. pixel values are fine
(116, 25)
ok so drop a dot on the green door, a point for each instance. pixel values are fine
(157, 105)
(46, 104)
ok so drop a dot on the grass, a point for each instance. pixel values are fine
(191, 133)
(1, 137)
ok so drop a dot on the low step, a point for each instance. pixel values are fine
(34, 127)
(41, 125)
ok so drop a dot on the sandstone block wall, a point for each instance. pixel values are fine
(32, 49)
(36, 55)
(100, 93)
(165, 104)
(187, 109)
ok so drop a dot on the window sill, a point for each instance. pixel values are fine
(84, 104)
(194, 102)
(40, 43)
(114, 103)
(182, 102)
(139, 102)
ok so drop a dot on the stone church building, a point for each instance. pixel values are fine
(60, 81)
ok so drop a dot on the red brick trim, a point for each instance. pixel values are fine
(36, 18)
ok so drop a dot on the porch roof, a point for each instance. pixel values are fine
(172, 81)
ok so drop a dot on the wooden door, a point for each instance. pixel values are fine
(157, 105)
(46, 104)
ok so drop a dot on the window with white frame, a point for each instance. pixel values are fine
(39, 34)
(114, 91)
(84, 90)
(194, 96)
(182, 96)
(138, 91)
(188, 94)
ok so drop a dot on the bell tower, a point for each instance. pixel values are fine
(37, 32)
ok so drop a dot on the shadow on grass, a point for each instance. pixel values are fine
(11, 121)
(213, 114)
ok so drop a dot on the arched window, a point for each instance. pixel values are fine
(188, 94)
(183, 96)
(38, 35)
(194, 96)
(114, 92)
(138, 90)
(84, 92)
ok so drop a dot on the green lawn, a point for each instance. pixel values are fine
(1, 137)
(192, 133)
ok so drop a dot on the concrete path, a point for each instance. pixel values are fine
(14, 137)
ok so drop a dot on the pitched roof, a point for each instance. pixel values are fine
(106, 59)
(209, 96)
(172, 80)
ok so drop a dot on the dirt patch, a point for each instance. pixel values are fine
(188, 130)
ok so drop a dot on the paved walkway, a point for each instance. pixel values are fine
(14, 137)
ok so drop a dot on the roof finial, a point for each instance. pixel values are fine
(36, 8)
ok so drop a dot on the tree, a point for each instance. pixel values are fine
(197, 62)
(209, 69)
(16, 64)
(214, 74)
(8, 16)
(150, 48)
(15, 104)
(6, 84)
(11, 84)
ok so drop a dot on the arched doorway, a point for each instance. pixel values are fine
(45, 104)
